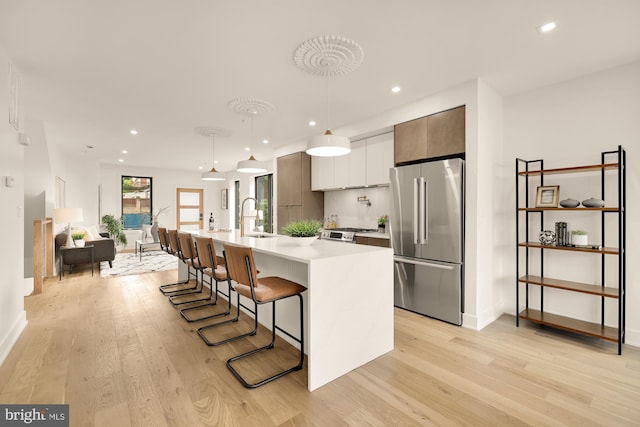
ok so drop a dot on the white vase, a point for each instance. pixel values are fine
(304, 241)
(580, 239)
(79, 243)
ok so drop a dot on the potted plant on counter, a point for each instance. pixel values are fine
(303, 232)
(382, 223)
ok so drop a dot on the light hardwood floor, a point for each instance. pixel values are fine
(121, 355)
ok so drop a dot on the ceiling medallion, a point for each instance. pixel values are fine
(328, 56)
(251, 106)
(212, 131)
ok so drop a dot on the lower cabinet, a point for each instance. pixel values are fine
(373, 241)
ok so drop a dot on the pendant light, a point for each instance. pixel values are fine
(328, 56)
(213, 174)
(251, 165)
(328, 144)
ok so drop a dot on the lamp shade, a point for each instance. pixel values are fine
(251, 165)
(213, 175)
(67, 215)
(328, 145)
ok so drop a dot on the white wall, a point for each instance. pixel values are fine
(12, 314)
(569, 124)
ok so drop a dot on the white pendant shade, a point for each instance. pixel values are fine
(328, 145)
(251, 165)
(213, 175)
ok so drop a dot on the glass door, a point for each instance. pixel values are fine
(264, 196)
(189, 209)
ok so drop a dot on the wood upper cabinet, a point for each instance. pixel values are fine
(410, 141)
(445, 133)
(295, 200)
(438, 135)
(290, 180)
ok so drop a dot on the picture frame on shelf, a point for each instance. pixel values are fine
(223, 198)
(547, 196)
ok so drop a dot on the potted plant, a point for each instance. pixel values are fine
(78, 238)
(579, 238)
(382, 223)
(303, 232)
(115, 229)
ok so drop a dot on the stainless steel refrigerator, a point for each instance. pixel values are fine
(427, 234)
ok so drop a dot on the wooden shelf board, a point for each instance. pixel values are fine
(603, 250)
(575, 169)
(571, 325)
(570, 286)
(569, 209)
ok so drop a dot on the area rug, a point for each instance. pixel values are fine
(127, 264)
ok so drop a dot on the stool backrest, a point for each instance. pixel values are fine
(206, 252)
(186, 246)
(236, 257)
(164, 243)
(174, 241)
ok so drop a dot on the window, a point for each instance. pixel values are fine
(136, 201)
(264, 196)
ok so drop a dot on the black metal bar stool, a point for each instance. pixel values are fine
(189, 257)
(214, 268)
(241, 268)
(166, 246)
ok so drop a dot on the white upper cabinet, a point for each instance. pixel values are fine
(379, 159)
(367, 164)
(321, 173)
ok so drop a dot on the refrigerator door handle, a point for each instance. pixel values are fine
(422, 211)
(425, 203)
(416, 208)
(423, 263)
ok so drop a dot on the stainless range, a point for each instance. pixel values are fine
(347, 234)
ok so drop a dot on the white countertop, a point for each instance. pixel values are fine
(285, 247)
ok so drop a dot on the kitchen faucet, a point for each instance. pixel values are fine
(242, 214)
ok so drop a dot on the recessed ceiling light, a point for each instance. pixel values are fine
(121, 160)
(215, 162)
(312, 123)
(247, 149)
(124, 151)
(265, 141)
(395, 89)
(133, 132)
(200, 167)
(545, 28)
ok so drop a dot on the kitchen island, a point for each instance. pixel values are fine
(348, 303)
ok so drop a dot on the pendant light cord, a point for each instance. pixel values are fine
(327, 88)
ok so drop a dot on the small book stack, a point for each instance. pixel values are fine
(562, 234)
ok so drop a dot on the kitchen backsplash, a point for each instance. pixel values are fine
(357, 207)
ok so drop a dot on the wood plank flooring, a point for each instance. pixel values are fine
(120, 355)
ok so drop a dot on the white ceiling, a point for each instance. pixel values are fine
(93, 70)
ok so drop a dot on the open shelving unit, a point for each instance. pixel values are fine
(525, 170)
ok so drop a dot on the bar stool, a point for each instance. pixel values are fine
(166, 246)
(241, 268)
(188, 256)
(216, 271)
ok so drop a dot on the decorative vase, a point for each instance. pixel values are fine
(381, 228)
(569, 203)
(154, 232)
(593, 203)
(580, 239)
(547, 237)
(79, 243)
(304, 241)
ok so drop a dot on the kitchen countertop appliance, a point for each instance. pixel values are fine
(427, 236)
(344, 234)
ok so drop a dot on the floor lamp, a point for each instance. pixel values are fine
(67, 216)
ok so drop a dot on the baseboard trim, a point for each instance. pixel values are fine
(9, 340)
